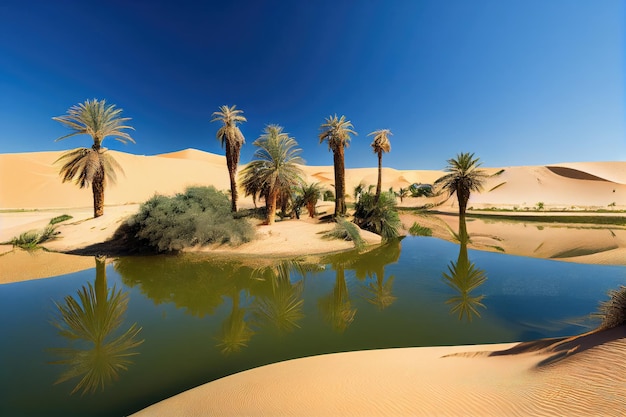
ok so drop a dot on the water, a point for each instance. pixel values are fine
(202, 319)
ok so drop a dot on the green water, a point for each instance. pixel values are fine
(197, 319)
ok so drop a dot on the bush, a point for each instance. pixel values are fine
(613, 311)
(200, 216)
(346, 231)
(417, 230)
(60, 218)
(379, 217)
(31, 239)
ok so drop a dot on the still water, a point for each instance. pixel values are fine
(117, 338)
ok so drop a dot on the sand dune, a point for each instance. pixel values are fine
(579, 376)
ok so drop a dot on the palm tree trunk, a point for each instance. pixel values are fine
(462, 197)
(340, 181)
(232, 170)
(380, 177)
(271, 207)
(97, 186)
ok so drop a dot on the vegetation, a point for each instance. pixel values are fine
(379, 145)
(336, 131)
(33, 238)
(402, 193)
(463, 177)
(232, 140)
(347, 231)
(613, 311)
(380, 217)
(308, 196)
(60, 219)
(417, 230)
(274, 169)
(200, 216)
(421, 190)
(93, 166)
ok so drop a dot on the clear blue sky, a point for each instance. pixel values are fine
(517, 82)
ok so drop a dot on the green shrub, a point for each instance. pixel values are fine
(31, 239)
(60, 218)
(417, 230)
(346, 231)
(380, 217)
(200, 216)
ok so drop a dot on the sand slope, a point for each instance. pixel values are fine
(581, 376)
(39, 186)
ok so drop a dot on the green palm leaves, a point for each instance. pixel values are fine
(232, 140)
(463, 177)
(379, 145)
(336, 132)
(93, 318)
(93, 166)
(274, 169)
(96, 119)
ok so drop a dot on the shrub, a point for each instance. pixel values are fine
(380, 217)
(31, 239)
(346, 231)
(613, 311)
(200, 216)
(417, 230)
(60, 219)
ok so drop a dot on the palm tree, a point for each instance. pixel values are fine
(379, 145)
(231, 139)
(463, 178)
(275, 165)
(308, 195)
(336, 131)
(93, 165)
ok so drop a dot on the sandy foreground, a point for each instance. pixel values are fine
(583, 376)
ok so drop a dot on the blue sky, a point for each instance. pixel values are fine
(518, 82)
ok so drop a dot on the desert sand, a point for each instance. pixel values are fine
(581, 376)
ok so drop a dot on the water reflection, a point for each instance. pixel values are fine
(336, 307)
(464, 277)
(380, 291)
(89, 322)
(236, 331)
(281, 305)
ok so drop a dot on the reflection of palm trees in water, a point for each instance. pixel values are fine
(336, 306)
(464, 277)
(282, 304)
(236, 332)
(379, 292)
(93, 318)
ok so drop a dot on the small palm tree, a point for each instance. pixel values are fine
(379, 145)
(402, 193)
(309, 194)
(232, 140)
(463, 178)
(275, 165)
(336, 131)
(93, 166)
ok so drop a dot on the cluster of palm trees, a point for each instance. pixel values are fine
(273, 171)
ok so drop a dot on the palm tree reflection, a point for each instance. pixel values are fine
(336, 307)
(282, 304)
(464, 277)
(90, 321)
(236, 332)
(379, 292)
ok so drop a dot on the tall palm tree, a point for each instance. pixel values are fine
(232, 140)
(463, 177)
(275, 165)
(379, 145)
(93, 166)
(336, 131)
